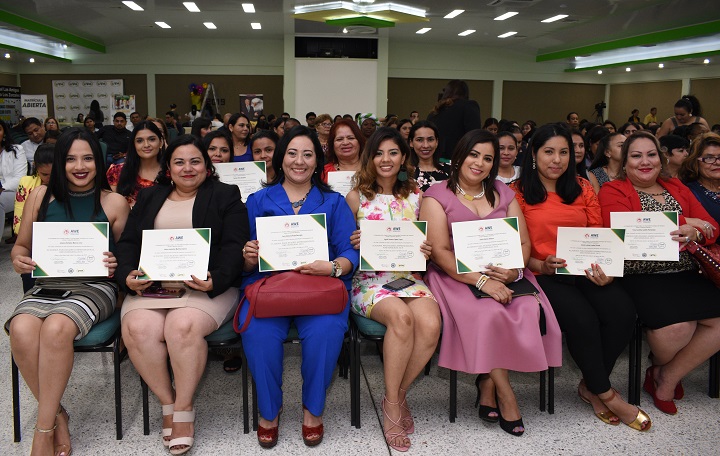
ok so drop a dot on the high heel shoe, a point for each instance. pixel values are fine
(485, 411)
(268, 437)
(182, 416)
(408, 422)
(312, 435)
(509, 426)
(679, 390)
(642, 420)
(664, 406)
(605, 417)
(63, 449)
(391, 436)
(167, 410)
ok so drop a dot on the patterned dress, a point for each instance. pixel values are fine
(367, 286)
(113, 177)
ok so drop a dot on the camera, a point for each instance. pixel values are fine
(600, 106)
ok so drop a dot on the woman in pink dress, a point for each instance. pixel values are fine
(489, 336)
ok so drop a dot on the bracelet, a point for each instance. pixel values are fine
(336, 269)
(698, 236)
(521, 274)
(481, 281)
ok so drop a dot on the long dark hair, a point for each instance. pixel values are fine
(233, 120)
(414, 159)
(460, 154)
(366, 177)
(7, 143)
(567, 187)
(97, 113)
(691, 104)
(198, 124)
(163, 176)
(601, 159)
(58, 185)
(454, 90)
(127, 181)
(281, 149)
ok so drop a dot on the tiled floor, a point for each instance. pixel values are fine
(571, 430)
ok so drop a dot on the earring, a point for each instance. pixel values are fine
(402, 175)
(167, 174)
(534, 165)
(668, 161)
(209, 173)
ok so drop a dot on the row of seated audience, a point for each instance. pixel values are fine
(175, 186)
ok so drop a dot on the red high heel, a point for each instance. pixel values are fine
(679, 391)
(668, 407)
(312, 435)
(268, 437)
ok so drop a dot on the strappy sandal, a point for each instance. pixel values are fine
(184, 416)
(641, 422)
(167, 410)
(64, 449)
(390, 436)
(606, 417)
(408, 422)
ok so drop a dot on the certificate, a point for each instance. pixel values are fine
(70, 249)
(647, 235)
(289, 241)
(248, 176)
(581, 247)
(175, 254)
(482, 243)
(392, 245)
(341, 181)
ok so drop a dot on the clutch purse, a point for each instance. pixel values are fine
(522, 287)
(708, 258)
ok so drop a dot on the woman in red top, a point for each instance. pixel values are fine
(682, 332)
(595, 313)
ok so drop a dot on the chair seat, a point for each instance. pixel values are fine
(102, 333)
(224, 333)
(368, 327)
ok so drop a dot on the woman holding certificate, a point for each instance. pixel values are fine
(188, 195)
(677, 305)
(383, 191)
(595, 313)
(43, 328)
(297, 190)
(473, 326)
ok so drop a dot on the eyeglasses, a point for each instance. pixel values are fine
(710, 159)
(326, 124)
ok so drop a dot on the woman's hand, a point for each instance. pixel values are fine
(498, 291)
(199, 284)
(317, 268)
(705, 228)
(110, 262)
(250, 253)
(23, 264)
(426, 249)
(596, 275)
(684, 234)
(135, 284)
(552, 263)
(355, 239)
(501, 274)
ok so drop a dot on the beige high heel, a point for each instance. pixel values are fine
(64, 449)
(183, 416)
(167, 410)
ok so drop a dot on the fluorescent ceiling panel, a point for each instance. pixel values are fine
(453, 14)
(248, 7)
(507, 15)
(133, 6)
(554, 18)
(192, 7)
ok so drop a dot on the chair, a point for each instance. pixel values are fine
(102, 338)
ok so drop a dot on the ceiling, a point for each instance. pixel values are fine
(589, 22)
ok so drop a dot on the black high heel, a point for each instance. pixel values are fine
(484, 411)
(509, 426)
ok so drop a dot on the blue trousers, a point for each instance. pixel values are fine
(321, 338)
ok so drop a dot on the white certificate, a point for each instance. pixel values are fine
(248, 176)
(388, 245)
(70, 249)
(341, 181)
(289, 241)
(481, 243)
(175, 254)
(647, 235)
(581, 247)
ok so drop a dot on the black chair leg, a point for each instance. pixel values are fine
(543, 388)
(145, 407)
(428, 366)
(453, 395)
(714, 390)
(551, 390)
(254, 405)
(118, 393)
(246, 408)
(16, 400)
(635, 365)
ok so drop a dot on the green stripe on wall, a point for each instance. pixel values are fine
(28, 51)
(638, 62)
(49, 31)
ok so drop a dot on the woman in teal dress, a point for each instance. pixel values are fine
(42, 330)
(384, 191)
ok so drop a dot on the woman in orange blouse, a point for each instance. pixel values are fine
(142, 162)
(595, 313)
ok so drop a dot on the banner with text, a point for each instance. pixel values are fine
(34, 106)
(72, 97)
(9, 104)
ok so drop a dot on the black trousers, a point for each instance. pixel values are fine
(598, 323)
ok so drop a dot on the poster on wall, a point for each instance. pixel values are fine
(251, 104)
(73, 96)
(34, 106)
(124, 103)
(9, 104)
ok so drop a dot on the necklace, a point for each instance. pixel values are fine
(81, 194)
(607, 171)
(471, 197)
(651, 194)
(300, 202)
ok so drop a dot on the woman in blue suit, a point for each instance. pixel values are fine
(298, 189)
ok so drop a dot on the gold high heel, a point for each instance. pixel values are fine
(605, 417)
(642, 421)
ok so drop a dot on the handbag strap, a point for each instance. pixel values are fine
(251, 292)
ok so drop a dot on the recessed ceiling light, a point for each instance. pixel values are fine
(248, 7)
(192, 7)
(466, 33)
(210, 25)
(706, 61)
(31, 60)
(505, 35)
(64, 46)
(661, 65)
(599, 71)
(255, 25)
(133, 6)
(627, 69)
(507, 15)
(453, 14)
(345, 30)
(162, 25)
(7, 55)
(554, 18)
(422, 31)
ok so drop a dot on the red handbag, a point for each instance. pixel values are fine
(708, 258)
(293, 294)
